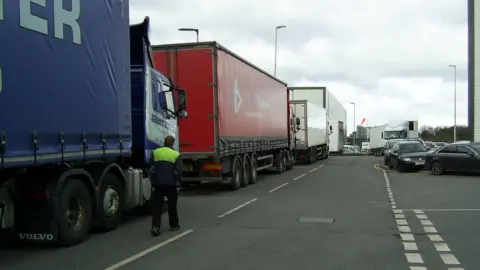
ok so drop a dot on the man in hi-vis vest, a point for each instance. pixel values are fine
(165, 176)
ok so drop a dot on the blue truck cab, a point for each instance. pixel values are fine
(79, 117)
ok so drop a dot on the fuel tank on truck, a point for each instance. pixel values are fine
(64, 79)
(230, 100)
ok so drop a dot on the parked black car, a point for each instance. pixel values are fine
(407, 155)
(458, 157)
(388, 147)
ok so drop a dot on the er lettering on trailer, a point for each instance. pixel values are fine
(61, 18)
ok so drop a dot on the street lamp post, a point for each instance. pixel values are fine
(354, 127)
(275, 63)
(454, 102)
(190, 30)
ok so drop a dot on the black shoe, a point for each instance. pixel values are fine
(174, 228)
(155, 231)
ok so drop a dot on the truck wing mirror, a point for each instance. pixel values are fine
(297, 121)
(181, 99)
(382, 135)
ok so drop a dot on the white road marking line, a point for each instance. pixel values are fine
(414, 258)
(237, 208)
(426, 222)
(429, 229)
(394, 207)
(443, 210)
(298, 177)
(314, 169)
(149, 250)
(457, 268)
(401, 222)
(418, 211)
(399, 216)
(397, 211)
(319, 166)
(407, 237)
(422, 217)
(410, 246)
(449, 259)
(441, 247)
(277, 188)
(404, 229)
(435, 238)
(417, 268)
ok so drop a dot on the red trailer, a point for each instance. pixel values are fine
(239, 120)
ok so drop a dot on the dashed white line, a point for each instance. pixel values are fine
(435, 238)
(149, 250)
(426, 222)
(321, 165)
(237, 208)
(401, 222)
(404, 229)
(407, 237)
(400, 216)
(314, 169)
(422, 216)
(430, 229)
(441, 247)
(409, 246)
(417, 268)
(414, 258)
(298, 177)
(277, 188)
(449, 259)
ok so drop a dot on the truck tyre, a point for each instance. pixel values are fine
(237, 173)
(313, 155)
(245, 171)
(290, 160)
(110, 203)
(280, 167)
(253, 170)
(75, 213)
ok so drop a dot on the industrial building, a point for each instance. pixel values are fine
(474, 69)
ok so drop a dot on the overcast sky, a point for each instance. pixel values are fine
(389, 57)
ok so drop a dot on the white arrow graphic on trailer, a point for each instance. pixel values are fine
(237, 99)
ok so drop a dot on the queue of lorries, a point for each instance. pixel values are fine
(82, 112)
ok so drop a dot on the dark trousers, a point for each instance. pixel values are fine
(159, 193)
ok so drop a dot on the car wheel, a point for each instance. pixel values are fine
(437, 168)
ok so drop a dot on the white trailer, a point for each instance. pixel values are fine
(311, 139)
(377, 143)
(336, 112)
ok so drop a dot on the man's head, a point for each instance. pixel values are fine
(169, 141)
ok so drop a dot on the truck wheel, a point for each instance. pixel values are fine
(110, 204)
(75, 213)
(280, 167)
(290, 161)
(313, 155)
(237, 173)
(247, 164)
(253, 170)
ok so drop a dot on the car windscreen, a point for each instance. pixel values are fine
(405, 148)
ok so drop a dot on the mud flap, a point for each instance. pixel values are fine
(35, 220)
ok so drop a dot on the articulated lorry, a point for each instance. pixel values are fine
(393, 130)
(239, 120)
(336, 112)
(80, 115)
(312, 131)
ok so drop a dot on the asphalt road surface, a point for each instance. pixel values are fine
(343, 213)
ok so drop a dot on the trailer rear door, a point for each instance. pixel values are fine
(192, 69)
